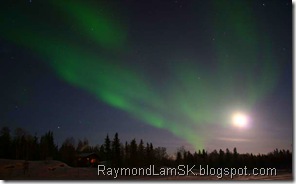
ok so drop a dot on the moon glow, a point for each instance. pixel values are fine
(240, 120)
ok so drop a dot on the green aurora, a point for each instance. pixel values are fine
(191, 98)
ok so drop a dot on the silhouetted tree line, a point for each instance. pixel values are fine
(280, 159)
(24, 146)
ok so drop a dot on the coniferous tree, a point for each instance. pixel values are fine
(133, 153)
(227, 158)
(221, 157)
(19, 143)
(48, 149)
(235, 159)
(102, 153)
(126, 154)
(152, 154)
(147, 155)
(116, 156)
(160, 155)
(107, 148)
(67, 152)
(195, 158)
(179, 158)
(141, 154)
(5, 143)
(35, 148)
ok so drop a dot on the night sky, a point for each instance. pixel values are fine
(169, 72)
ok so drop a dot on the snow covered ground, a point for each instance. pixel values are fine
(56, 170)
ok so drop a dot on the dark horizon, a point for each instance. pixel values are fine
(40, 158)
(71, 147)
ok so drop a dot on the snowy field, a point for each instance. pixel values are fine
(56, 170)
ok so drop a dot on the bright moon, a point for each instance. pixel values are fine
(239, 120)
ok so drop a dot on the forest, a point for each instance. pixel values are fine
(23, 146)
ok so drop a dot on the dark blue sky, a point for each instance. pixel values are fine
(161, 34)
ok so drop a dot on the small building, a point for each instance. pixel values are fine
(87, 160)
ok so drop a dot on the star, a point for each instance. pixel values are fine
(58, 127)
(263, 4)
